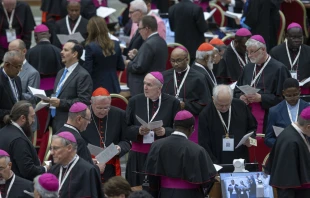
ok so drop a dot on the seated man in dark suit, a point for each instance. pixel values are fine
(286, 112)
(73, 84)
(152, 55)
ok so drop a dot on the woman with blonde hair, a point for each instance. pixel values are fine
(103, 56)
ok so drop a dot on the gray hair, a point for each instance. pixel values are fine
(202, 54)
(255, 43)
(43, 192)
(66, 142)
(74, 115)
(7, 159)
(222, 88)
(12, 54)
(96, 98)
(139, 5)
(303, 122)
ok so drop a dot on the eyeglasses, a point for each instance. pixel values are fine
(253, 52)
(131, 12)
(16, 66)
(55, 148)
(178, 61)
(141, 28)
(89, 120)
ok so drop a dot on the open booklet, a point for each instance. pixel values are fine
(63, 38)
(150, 137)
(103, 155)
(40, 93)
(242, 141)
(247, 89)
(207, 15)
(233, 15)
(104, 11)
(277, 130)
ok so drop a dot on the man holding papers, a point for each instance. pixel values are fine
(151, 106)
(289, 159)
(294, 55)
(286, 112)
(181, 167)
(108, 126)
(77, 177)
(222, 125)
(265, 75)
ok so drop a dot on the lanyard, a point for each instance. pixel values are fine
(257, 76)
(10, 186)
(302, 136)
(106, 128)
(289, 56)
(61, 182)
(213, 79)
(238, 56)
(289, 112)
(71, 127)
(13, 86)
(148, 109)
(10, 20)
(176, 83)
(75, 26)
(222, 120)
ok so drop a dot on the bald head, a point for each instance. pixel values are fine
(9, 5)
(74, 9)
(18, 45)
(222, 97)
(179, 59)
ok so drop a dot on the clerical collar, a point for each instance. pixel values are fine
(260, 65)
(72, 127)
(45, 40)
(181, 72)
(66, 166)
(180, 134)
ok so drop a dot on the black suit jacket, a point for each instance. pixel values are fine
(135, 43)
(7, 99)
(77, 88)
(152, 56)
(187, 21)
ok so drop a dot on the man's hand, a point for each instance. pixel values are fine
(244, 99)
(247, 143)
(55, 102)
(119, 149)
(160, 131)
(101, 167)
(132, 53)
(182, 105)
(143, 130)
(254, 97)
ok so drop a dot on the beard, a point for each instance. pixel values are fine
(210, 64)
(257, 59)
(27, 129)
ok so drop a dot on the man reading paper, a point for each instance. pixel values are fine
(151, 106)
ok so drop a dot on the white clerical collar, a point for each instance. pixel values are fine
(183, 70)
(180, 134)
(66, 166)
(152, 34)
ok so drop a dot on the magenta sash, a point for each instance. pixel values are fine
(167, 182)
(47, 83)
(204, 5)
(140, 147)
(259, 115)
(305, 90)
(194, 136)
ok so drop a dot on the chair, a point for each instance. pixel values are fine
(281, 31)
(119, 101)
(258, 153)
(219, 15)
(42, 115)
(228, 39)
(122, 76)
(171, 47)
(295, 12)
(45, 144)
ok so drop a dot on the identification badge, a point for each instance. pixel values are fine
(253, 141)
(149, 138)
(294, 74)
(10, 35)
(228, 143)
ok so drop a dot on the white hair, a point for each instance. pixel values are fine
(43, 192)
(255, 43)
(139, 5)
(202, 54)
(7, 159)
(220, 89)
(96, 98)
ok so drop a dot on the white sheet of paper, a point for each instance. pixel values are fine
(149, 138)
(63, 38)
(124, 87)
(104, 11)
(233, 85)
(217, 167)
(151, 125)
(304, 82)
(247, 89)
(277, 130)
(40, 105)
(10, 35)
(154, 11)
(49, 163)
(83, 56)
(40, 93)
(94, 150)
(210, 35)
(112, 37)
(242, 141)
(107, 154)
(125, 39)
(207, 15)
(233, 15)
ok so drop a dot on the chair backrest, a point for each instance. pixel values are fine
(42, 116)
(171, 47)
(218, 15)
(228, 38)
(119, 101)
(45, 144)
(295, 12)
(122, 76)
(281, 31)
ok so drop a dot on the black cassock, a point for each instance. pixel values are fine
(211, 131)
(229, 68)
(45, 58)
(82, 181)
(18, 187)
(194, 92)
(210, 76)
(289, 162)
(112, 129)
(82, 149)
(177, 157)
(137, 106)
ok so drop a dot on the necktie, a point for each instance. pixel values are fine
(15, 92)
(58, 89)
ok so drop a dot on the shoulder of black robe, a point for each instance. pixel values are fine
(177, 157)
(137, 105)
(289, 160)
(82, 149)
(19, 186)
(83, 181)
(194, 92)
(207, 75)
